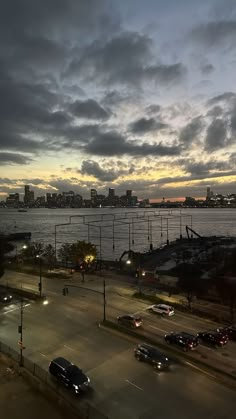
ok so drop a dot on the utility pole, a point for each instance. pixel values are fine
(20, 331)
(40, 275)
(104, 300)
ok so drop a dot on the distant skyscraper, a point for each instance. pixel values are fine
(93, 194)
(208, 192)
(111, 193)
(27, 194)
(129, 193)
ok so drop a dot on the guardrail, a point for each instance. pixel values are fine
(40, 379)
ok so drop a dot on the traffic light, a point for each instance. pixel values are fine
(19, 329)
(40, 286)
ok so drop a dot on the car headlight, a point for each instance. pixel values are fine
(5, 298)
(88, 379)
(76, 387)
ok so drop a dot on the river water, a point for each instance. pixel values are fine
(114, 230)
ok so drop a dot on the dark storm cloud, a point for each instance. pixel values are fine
(224, 97)
(112, 143)
(125, 59)
(207, 68)
(203, 169)
(143, 125)
(13, 158)
(90, 167)
(215, 111)
(88, 109)
(153, 109)
(216, 137)
(233, 121)
(215, 34)
(191, 131)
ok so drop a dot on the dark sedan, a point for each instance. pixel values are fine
(5, 297)
(185, 340)
(230, 331)
(213, 338)
(130, 321)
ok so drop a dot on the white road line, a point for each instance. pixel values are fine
(157, 328)
(132, 384)
(14, 309)
(42, 354)
(200, 369)
(71, 349)
(182, 325)
(52, 292)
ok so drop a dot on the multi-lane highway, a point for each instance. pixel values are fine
(123, 387)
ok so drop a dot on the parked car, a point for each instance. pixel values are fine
(69, 374)
(230, 331)
(130, 321)
(163, 309)
(213, 338)
(5, 297)
(150, 354)
(185, 340)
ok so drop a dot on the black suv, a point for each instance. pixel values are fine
(131, 321)
(213, 338)
(184, 340)
(148, 353)
(69, 374)
(230, 331)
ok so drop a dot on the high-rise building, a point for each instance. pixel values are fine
(208, 192)
(29, 195)
(93, 194)
(129, 193)
(111, 193)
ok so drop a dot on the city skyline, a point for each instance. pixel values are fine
(125, 95)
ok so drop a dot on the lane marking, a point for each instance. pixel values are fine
(132, 384)
(52, 292)
(14, 309)
(200, 369)
(154, 327)
(71, 349)
(42, 354)
(182, 325)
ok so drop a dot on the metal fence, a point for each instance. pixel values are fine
(40, 378)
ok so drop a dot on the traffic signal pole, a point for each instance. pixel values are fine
(20, 330)
(65, 292)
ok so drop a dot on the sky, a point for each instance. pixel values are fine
(127, 94)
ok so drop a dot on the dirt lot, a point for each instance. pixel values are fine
(19, 400)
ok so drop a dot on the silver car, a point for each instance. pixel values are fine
(163, 309)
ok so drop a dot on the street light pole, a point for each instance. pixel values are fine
(40, 275)
(104, 300)
(20, 331)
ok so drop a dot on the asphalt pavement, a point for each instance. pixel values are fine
(123, 387)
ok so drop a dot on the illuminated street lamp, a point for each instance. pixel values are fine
(40, 275)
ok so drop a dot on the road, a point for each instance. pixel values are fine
(119, 302)
(123, 387)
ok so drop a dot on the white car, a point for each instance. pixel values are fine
(163, 309)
